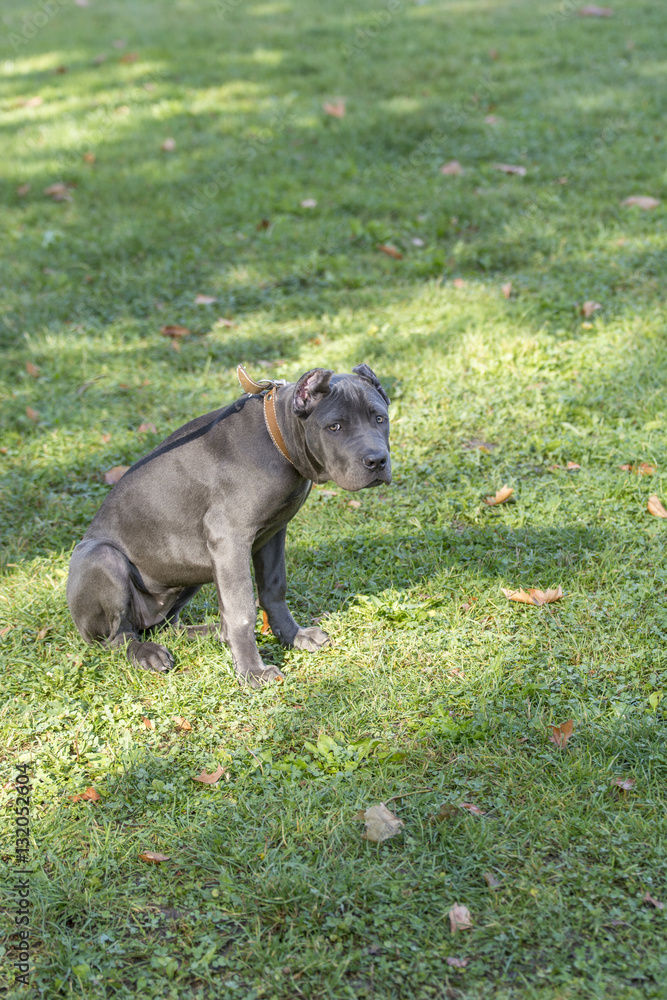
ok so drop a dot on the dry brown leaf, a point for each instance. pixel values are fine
(149, 723)
(32, 369)
(645, 469)
(655, 507)
(592, 11)
(42, 633)
(266, 628)
(381, 823)
(453, 168)
(459, 918)
(459, 282)
(90, 795)
(648, 898)
(589, 307)
(475, 810)
(106, 438)
(335, 108)
(205, 300)
(29, 102)
(58, 192)
(390, 251)
(129, 57)
(111, 476)
(491, 880)
(572, 467)
(22, 190)
(5, 630)
(627, 784)
(174, 331)
(501, 496)
(457, 963)
(535, 596)
(182, 724)
(154, 857)
(354, 503)
(309, 203)
(32, 415)
(209, 779)
(225, 322)
(510, 168)
(506, 289)
(561, 734)
(147, 429)
(169, 145)
(642, 201)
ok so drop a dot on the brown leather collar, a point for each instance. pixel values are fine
(269, 389)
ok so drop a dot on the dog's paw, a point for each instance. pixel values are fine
(310, 638)
(256, 676)
(150, 656)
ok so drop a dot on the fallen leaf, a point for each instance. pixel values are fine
(354, 503)
(149, 723)
(42, 633)
(309, 203)
(174, 331)
(32, 415)
(572, 467)
(328, 493)
(58, 192)
(182, 724)
(154, 857)
(60, 69)
(111, 476)
(146, 429)
(457, 963)
(475, 810)
(509, 168)
(501, 496)
(381, 823)
(335, 108)
(459, 282)
(90, 795)
(561, 734)
(627, 784)
(266, 628)
(459, 918)
(655, 507)
(89, 157)
(205, 300)
(642, 201)
(534, 596)
(390, 250)
(225, 322)
(106, 438)
(648, 898)
(592, 11)
(30, 102)
(263, 224)
(453, 168)
(22, 190)
(5, 630)
(169, 145)
(446, 811)
(209, 779)
(589, 307)
(32, 369)
(129, 57)
(491, 880)
(506, 289)
(643, 469)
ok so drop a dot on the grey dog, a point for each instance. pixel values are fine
(215, 496)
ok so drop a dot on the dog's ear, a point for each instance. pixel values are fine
(369, 375)
(310, 390)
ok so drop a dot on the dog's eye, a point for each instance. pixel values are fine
(380, 418)
(334, 427)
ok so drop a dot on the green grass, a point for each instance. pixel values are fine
(270, 891)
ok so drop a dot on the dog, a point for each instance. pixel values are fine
(215, 496)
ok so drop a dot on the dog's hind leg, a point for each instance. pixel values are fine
(102, 596)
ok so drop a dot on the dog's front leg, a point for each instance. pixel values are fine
(271, 579)
(236, 600)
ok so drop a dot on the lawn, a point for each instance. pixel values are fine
(194, 157)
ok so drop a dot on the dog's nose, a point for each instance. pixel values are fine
(376, 462)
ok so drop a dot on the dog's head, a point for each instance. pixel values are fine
(346, 426)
